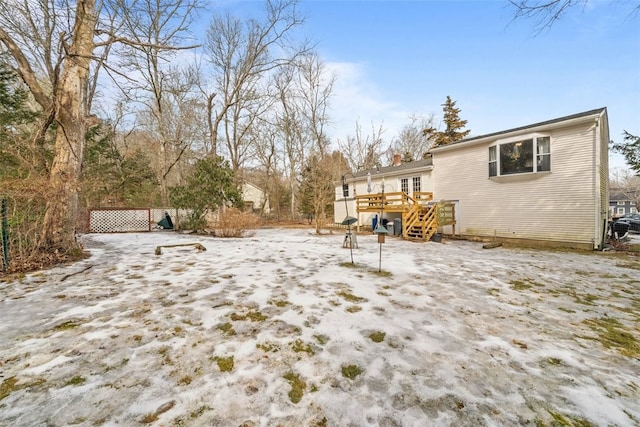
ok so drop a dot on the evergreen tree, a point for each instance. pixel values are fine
(454, 126)
(210, 185)
(630, 149)
(111, 173)
(15, 118)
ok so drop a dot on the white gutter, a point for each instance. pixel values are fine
(597, 238)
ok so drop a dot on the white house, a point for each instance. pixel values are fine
(255, 198)
(543, 182)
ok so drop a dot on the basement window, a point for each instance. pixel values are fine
(519, 157)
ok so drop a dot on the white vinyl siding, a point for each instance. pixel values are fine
(557, 206)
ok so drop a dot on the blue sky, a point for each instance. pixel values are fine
(396, 58)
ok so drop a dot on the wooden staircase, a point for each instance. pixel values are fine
(421, 217)
(420, 223)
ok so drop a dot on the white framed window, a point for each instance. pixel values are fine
(530, 155)
(619, 203)
(632, 203)
(417, 184)
(633, 210)
(620, 211)
(404, 185)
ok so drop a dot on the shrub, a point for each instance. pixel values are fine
(233, 222)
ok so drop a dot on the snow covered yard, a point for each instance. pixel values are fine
(279, 329)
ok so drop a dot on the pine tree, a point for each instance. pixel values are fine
(453, 131)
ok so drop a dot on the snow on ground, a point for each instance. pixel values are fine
(448, 334)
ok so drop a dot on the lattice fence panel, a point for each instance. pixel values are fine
(119, 220)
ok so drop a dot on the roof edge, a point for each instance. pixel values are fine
(577, 116)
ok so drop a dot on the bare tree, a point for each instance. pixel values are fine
(412, 144)
(319, 175)
(364, 151)
(547, 12)
(241, 55)
(172, 119)
(315, 87)
(52, 44)
(53, 59)
(289, 121)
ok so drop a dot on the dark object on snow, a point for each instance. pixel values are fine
(491, 245)
(198, 246)
(166, 222)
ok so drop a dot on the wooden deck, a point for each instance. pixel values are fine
(421, 216)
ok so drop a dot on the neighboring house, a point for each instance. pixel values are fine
(543, 182)
(255, 199)
(620, 204)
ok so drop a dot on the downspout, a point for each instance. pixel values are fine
(597, 238)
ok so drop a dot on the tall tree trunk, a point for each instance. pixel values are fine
(58, 231)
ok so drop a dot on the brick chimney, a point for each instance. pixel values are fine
(397, 159)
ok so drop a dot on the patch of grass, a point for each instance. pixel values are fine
(347, 265)
(69, 324)
(350, 297)
(381, 273)
(569, 421)
(77, 380)
(164, 352)
(279, 303)
(297, 386)
(519, 285)
(377, 336)
(254, 316)
(611, 334)
(554, 361)
(225, 364)
(186, 380)
(351, 371)
(300, 346)
(149, 418)
(198, 412)
(268, 347)
(227, 328)
(354, 309)
(566, 310)
(7, 387)
(631, 265)
(321, 339)
(586, 299)
(493, 291)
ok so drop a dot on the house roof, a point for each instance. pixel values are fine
(596, 111)
(392, 170)
(616, 194)
(428, 162)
